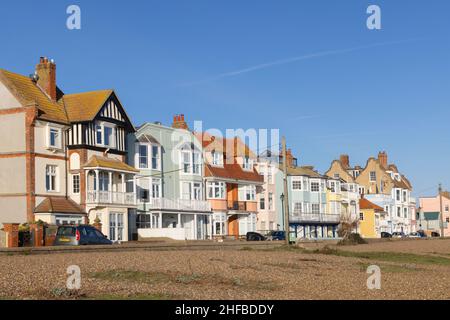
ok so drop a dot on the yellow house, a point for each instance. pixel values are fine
(369, 218)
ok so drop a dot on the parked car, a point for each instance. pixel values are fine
(255, 236)
(415, 235)
(398, 235)
(79, 236)
(386, 235)
(422, 234)
(276, 236)
(435, 234)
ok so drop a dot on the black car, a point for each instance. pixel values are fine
(255, 236)
(276, 236)
(386, 235)
(79, 236)
(435, 234)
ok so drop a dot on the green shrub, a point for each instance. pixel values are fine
(352, 239)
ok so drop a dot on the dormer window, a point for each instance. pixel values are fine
(54, 138)
(217, 158)
(247, 164)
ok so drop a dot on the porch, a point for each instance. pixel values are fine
(110, 187)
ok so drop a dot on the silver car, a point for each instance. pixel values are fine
(79, 236)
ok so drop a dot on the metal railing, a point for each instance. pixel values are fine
(237, 206)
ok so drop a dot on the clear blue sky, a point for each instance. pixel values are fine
(167, 57)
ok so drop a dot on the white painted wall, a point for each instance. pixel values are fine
(172, 233)
(13, 210)
(7, 100)
(12, 132)
(12, 175)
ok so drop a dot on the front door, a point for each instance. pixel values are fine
(116, 226)
(233, 226)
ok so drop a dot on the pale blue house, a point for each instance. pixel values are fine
(170, 187)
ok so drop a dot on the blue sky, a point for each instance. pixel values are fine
(168, 57)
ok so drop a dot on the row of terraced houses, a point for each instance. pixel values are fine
(78, 158)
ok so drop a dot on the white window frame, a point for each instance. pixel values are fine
(53, 186)
(195, 190)
(247, 193)
(102, 125)
(318, 206)
(193, 168)
(311, 182)
(156, 186)
(297, 180)
(139, 164)
(217, 158)
(58, 140)
(152, 147)
(247, 163)
(212, 187)
(374, 177)
(297, 208)
(76, 183)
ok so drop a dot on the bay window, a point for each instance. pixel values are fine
(247, 193)
(143, 156)
(147, 152)
(216, 190)
(104, 134)
(156, 158)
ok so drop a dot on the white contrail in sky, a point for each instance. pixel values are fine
(291, 60)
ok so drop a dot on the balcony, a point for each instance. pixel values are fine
(110, 197)
(178, 204)
(241, 206)
(314, 217)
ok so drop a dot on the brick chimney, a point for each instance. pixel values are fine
(383, 158)
(289, 158)
(345, 161)
(179, 122)
(46, 71)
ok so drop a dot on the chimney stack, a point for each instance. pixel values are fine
(46, 72)
(289, 158)
(179, 122)
(345, 161)
(383, 158)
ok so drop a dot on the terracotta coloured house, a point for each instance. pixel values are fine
(232, 183)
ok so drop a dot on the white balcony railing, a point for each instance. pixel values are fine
(111, 197)
(178, 204)
(314, 217)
